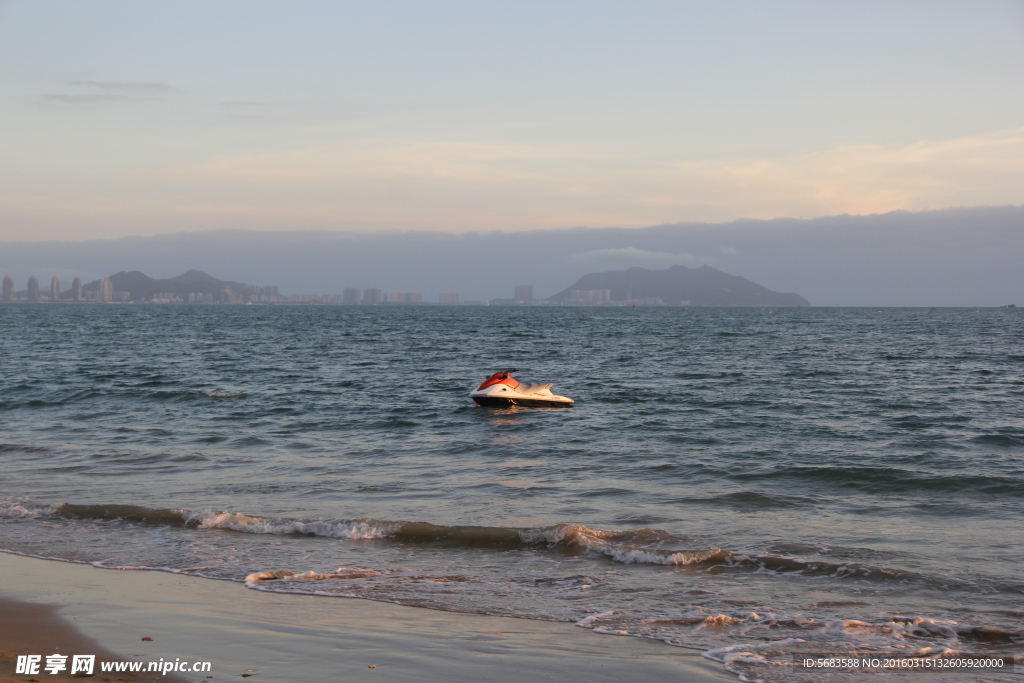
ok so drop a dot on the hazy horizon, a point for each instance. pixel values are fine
(952, 257)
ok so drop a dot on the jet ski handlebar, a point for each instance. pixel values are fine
(503, 377)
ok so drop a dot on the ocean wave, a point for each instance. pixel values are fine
(889, 480)
(353, 530)
(753, 500)
(216, 393)
(1004, 437)
(130, 513)
(21, 448)
(753, 638)
(643, 546)
(22, 509)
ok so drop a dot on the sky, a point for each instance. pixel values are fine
(123, 118)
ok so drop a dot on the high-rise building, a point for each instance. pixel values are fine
(371, 295)
(524, 294)
(33, 289)
(350, 295)
(589, 296)
(8, 289)
(55, 289)
(106, 290)
(76, 289)
(448, 298)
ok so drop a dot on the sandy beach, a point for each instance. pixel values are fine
(33, 628)
(301, 638)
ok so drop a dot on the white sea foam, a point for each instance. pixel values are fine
(764, 644)
(20, 509)
(894, 629)
(236, 521)
(341, 573)
(563, 534)
(639, 556)
(750, 662)
(604, 542)
(588, 622)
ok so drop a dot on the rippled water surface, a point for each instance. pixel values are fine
(775, 483)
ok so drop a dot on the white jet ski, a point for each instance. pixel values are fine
(500, 389)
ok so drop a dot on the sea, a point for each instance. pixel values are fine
(764, 486)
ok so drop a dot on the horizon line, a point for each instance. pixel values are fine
(434, 232)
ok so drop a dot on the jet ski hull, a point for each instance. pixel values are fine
(503, 402)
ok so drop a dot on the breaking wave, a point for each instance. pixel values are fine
(753, 638)
(643, 546)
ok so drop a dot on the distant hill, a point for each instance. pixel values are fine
(950, 257)
(142, 287)
(679, 285)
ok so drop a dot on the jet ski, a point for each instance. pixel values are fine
(500, 389)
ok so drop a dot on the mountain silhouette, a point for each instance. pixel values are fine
(141, 286)
(679, 285)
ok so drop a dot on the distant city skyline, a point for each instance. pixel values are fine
(236, 293)
(953, 257)
(269, 294)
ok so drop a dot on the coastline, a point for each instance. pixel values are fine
(275, 637)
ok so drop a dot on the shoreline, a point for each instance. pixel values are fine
(296, 638)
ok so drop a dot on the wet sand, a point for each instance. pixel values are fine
(33, 628)
(301, 638)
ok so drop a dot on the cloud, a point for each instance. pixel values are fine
(125, 86)
(83, 99)
(975, 170)
(631, 256)
(101, 92)
(478, 185)
(367, 182)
